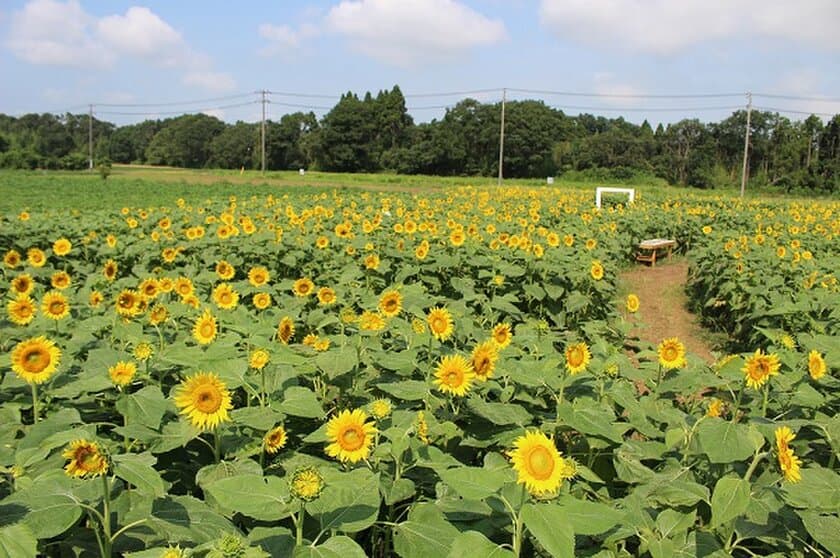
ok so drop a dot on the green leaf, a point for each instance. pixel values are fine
(590, 420)
(407, 390)
(301, 402)
(819, 490)
(824, 528)
(17, 541)
(146, 407)
(474, 483)
(52, 507)
(138, 469)
(349, 502)
(546, 522)
(589, 518)
(500, 413)
(731, 498)
(263, 498)
(336, 362)
(470, 544)
(426, 534)
(725, 442)
(277, 541)
(181, 519)
(335, 547)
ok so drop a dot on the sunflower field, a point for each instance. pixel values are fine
(349, 373)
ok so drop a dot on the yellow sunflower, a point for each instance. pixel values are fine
(23, 284)
(261, 300)
(204, 399)
(483, 360)
(596, 270)
(577, 357)
(149, 288)
(538, 464)
(501, 335)
(440, 323)
(671, 353)
(87, 459)
(205, 329)
(789, 463)
(184, 286)
(128, 303)
(62, 247)
(35, 360)
(390, 303)
(95, 299)
(371, 321)
(258, 359)
(36, 257)
(122, 372)
(303, 287)
(143, 351)
(12, 259)
(225, 297)
(759, 367)
(110, 270)
(274, 440)
(381, 408)
(716, 408)
(306, 484)
(816, 365)
(326, 296)
(21, 310)
(286, 330)
(224, 270)
(632, 303)
(54, 306)
(350, 436)
(372, 262)
(258, 276)
(454, 374)
(60, 280)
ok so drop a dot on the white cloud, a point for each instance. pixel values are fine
(615, 92)
(212, 81)
(61, 33)
(666, 26)
(283, 38)
(805, 83)
(409, 32)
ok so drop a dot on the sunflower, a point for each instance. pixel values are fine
(632, 303)
(457, 237)
(35, 360)
(12, 259)
(204, 398)
(538, 464)
(21, 310)
(95, 298)
(816, 365)
(371, 321)
(390, 303)
(110, 270)
(54, 306)
(372, 262)
(789, 463)
(596, 270)
(158, 314)
(225, 297)
(440, 323)
(454, 374)
(483, 360)
(205, 328)
(60, 280)
(149, 288)
(122, 372)
(577, 358)
(111, 241)
(166, 284)
(36, 257)
(261, 301)
(62, 247)
(274, 440)
(381, 408)
(87, 459)
(285, 330)
(128, 303)
(143, 351)
(322, 242)
(306, 484)
(303, 287)
(350, 436)
(671, 353)
(23, 284)
(715, 408)
(258, 359)
(184, 286)
(418, 326)
(326, 296)
(173, 552)
(759, 367)
(421, 428)
(224, 270)
(501, 335)
(258, 276)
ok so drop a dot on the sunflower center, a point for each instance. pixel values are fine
(35, 360)
(206, 329)
(439, 324)
(670, 354)
(56, 307)
(576, 357)
(540, 463)
(453, 378)
(352, 438)
(208, 400)
(226, 298)
(480, 365)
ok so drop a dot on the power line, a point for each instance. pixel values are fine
(807, 112)
(798, 98)
(627, 95)
(644, 109)
(162, 113)
(175, 103)
(455, 93)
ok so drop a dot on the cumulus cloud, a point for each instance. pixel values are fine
(283, 38)
(61, 33)
(614, 91)
(666, 26)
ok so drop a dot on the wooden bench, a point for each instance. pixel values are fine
(648, 249)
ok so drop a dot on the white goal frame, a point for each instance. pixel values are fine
(631, 193)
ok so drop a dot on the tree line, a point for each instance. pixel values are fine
(376, 133)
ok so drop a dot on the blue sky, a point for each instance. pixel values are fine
(58, 55)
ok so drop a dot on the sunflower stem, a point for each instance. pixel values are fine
(262, 459)
(262, 388)
(756, 460)
(517, 535)
(299, 527)
(106, 517)
(737, 404)
(217, 446)
(764, 402)
(34, 403)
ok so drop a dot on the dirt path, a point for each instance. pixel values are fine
(663, 310)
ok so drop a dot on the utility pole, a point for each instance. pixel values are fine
(502, 136)
(90, 137)
(262, 131)
(746, 144)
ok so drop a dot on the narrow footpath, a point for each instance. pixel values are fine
(663, 312)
